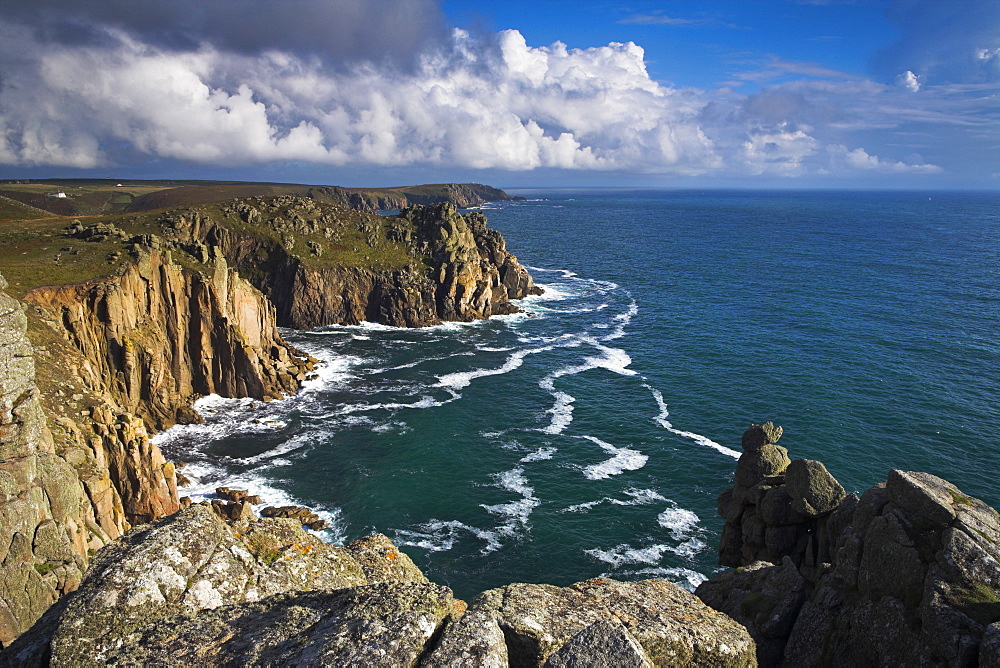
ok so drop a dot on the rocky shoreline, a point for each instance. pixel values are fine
(192, 588)
(158, 315)
(101, 561)
(904, 575)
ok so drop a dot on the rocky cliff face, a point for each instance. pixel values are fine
(44, 516)
(324, 265)
(160, 335)
(909, 574)
(192, 589)
(116, 358)
(462, 195)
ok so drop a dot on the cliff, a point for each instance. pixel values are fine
(89, 197)
(907, 574)
(44, 517)
(114, 358)
(462, 195)
(125, 321)
(158, 335)
(322, 264)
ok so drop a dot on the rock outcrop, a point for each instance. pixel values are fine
(909, 574)
(44, 515)
(159, 335)
(321, 264)
(117, 358)
(192, 588)
(462, 195)
(663, 624)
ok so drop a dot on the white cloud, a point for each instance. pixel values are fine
(988, 54)
(843, 159)
(501, 104)
(778, 151)
(472, 102)
(908, 80)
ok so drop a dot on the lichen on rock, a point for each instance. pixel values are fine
(194, 589)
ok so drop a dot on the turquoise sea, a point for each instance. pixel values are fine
(590, 434)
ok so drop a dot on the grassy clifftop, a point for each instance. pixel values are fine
(79, 197)
(42, 250)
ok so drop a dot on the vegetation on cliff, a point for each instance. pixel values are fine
(88, 197)
(319, 263)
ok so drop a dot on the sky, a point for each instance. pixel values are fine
(513, 93)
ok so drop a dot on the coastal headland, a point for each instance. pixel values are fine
(122, 304)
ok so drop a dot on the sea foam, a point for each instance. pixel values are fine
(661, 419)
(612, 359)
(440, 536)
(541, 454)
(639, 497)
(626, 554)
(515, 514)
(680, 576)
(623, 459)
(679, 521)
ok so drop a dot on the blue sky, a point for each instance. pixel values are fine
(766, 93)
(704, 44)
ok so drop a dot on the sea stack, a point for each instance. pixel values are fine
(909, 574)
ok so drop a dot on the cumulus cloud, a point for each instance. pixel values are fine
(908, 80)
(842, 158)
(121, 85)
(779, 151)
(498, 104)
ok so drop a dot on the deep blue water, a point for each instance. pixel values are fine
(591, 434)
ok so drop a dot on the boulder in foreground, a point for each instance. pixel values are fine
(193, 589)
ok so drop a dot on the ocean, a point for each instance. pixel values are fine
(590, 434)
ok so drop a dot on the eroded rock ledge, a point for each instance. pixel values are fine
(193, 589)
(909, 574)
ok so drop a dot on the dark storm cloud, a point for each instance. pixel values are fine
(334, 30)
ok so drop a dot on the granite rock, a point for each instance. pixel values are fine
(907, 574)
(670, 624)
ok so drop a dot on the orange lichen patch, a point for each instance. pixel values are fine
(458, 607)
(686, 618)
(390, 555)
(302, 548)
